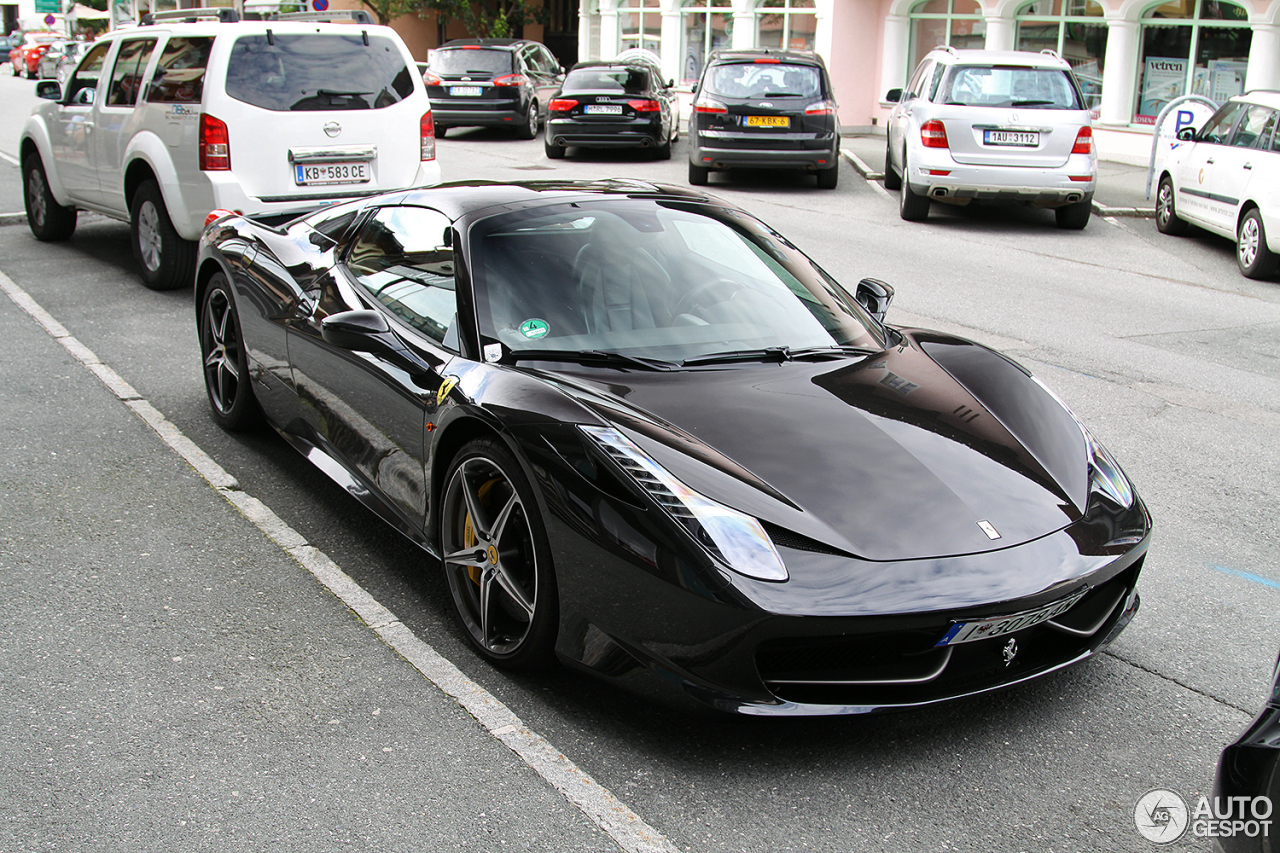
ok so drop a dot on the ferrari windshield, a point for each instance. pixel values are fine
(657, 279)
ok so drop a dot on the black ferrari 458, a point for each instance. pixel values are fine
(647, 436)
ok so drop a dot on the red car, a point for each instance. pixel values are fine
(25, 58)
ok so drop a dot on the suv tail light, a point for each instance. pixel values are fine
(1084, 141)
(933, 134)
(432, 79)
(821, 108)
(561, 105)
(427, 131)
(709, 106)
(215, 145)
(644, 106)
(511, 80)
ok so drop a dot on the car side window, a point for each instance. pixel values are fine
(85, 79)
(938, 69)
(1218, 128)
(179, 76)
(126, 76)
(1251, 128)
(401, 259)
(917, 79)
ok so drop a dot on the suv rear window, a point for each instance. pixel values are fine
(764, 80)
(317, 72)
(627, 81)
(179, 77)
(1009, 86)
(465, 60)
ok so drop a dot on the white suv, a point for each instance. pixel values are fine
(992, 125)
(160, 124)
(1226, 179)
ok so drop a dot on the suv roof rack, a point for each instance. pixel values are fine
(358, 16)
(951, 49)
(225, 14)
(1048, 51)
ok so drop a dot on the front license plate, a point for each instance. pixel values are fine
(603, 109)
(768, 121)
(1023, 138)
(983, 629)
(465, 91)
(331, 173)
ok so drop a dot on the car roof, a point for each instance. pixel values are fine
(500, 44)
(643, 64)
(1266, 97)
(212, 26)
(461, 198)
(752, 54)
(1000, 57)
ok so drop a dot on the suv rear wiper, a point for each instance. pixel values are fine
(599, 357)
(334, 93)
(1030, 103)
(779, 353)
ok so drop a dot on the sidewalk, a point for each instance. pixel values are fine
(1121, 187)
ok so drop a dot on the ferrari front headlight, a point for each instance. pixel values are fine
(734, 538)
(1105, 475)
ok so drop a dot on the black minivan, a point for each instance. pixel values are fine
(491, 83)
(764, 109)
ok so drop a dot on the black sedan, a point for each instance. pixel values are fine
(1246, 788)
(646, 435)
(619, 104)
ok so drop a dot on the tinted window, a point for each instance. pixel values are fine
(1253, 127)
(1010, 86)
(627, 81)
(764, 80)
(1218, 128)
(126, 77)
(400, 257)
(318, 72)
(462, 60)
(179, 77)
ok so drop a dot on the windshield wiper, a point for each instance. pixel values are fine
(334, 93)
(1030, 103)
(779, 354)
(603, 358)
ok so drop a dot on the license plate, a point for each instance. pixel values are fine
(768, 121)
(331, 173)
(983, 629)
(465, 91)
(1024, 138)
(603, 109)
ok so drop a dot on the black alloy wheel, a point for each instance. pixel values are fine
(225, 364)
(1167, 219)
(165, 260)
(50, 222)
(1252, 254)
(496, 558)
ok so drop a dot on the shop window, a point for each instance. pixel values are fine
(958, 23)
(1198, 47)
(789, 24)
(640, 25)
(1076, 31)
(707, 25)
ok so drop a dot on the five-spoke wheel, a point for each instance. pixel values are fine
(226, 372)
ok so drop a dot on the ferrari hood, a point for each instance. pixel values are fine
(935, 448)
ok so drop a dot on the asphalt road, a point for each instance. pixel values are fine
(131, 591)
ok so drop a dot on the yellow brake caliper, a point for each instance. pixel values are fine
(469, 538)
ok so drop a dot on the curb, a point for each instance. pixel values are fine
(1101, 209)
(19, 218)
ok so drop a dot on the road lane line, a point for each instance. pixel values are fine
(596, 802)
(1249, 576)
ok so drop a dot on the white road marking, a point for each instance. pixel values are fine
(595, 801)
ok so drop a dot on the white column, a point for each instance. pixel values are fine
(1264, 58)
(893, 61)
(671, 56)
(744, 30)
(1120, 73)
(609, 32)
(823, 36)
(1000, 32)
(584, 30)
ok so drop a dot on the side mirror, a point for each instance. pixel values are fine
(893, 96)
(874, 295)
(671, 84)
(50, 90)
(1186, 134)
(694, 89)
(368, 331)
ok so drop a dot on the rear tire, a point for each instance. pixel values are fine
(828, 178)
(165, 260)
(1167, 219)
(441, 131)
(1074, 216)
(223, 359)
(698, 175)
(529, 130)
(50, 222)
(1252, 254)
(663, 152)
(554, 152)
(911, 206)
(892, 180)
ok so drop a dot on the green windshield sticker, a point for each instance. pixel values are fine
(534, 328)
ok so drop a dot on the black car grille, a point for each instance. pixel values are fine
(904, 667)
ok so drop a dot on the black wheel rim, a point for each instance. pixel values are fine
(220, 342)
(489, 556)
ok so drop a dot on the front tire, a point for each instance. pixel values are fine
(225, 363)
(912, 206)
(165, 260)
(1167, 219)
(1074, 216)
(496, 558)
(529, 130)
(1252, 254)
(50, 222)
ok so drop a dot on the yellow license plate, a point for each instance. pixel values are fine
(768, 121)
